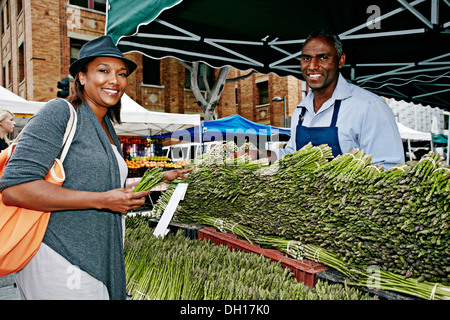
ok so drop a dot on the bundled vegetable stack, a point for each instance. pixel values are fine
(151, 178)
(396, 219)
(176, 268)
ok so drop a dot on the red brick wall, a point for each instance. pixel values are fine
(44, 27)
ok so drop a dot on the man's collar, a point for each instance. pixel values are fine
(341, 92)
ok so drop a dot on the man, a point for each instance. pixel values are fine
(338, 113)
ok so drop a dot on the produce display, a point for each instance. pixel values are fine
(350, 214)
(177, 268)
(155, 161)
(151, 178)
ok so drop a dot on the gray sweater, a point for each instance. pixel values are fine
(90, 239)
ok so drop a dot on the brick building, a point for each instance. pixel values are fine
(40, 38)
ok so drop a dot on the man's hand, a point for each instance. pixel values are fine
(176, 173)
(256, 154)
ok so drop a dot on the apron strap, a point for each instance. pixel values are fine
(300, 119)
(337, 105)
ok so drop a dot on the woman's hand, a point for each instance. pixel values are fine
(42, 195)
(176, 173)
(123, 200)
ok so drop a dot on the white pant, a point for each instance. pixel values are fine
(49, 276)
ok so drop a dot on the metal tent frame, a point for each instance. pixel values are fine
(395, 49)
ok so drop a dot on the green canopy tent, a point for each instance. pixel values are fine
(443, 140)
(440, 138)
(394, 48)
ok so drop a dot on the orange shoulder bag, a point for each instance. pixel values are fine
(22, 230)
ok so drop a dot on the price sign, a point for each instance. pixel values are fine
(177, 196)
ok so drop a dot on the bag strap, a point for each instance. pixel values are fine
(70, 131)
(68, 134)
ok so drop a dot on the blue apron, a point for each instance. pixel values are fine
(319, 135)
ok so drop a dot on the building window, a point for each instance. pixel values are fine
(5, 17)
(80, 3)
(75, 46)
(263, 91)
(21, 64)
(8, 80)
(187, 79)
(4, 77)
(99, 5)
(151, 71)
(18, 7)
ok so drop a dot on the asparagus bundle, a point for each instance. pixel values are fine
(396, 219)
(151, 178)
(178, 268)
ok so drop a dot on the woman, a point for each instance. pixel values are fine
(81, 256)
(6, 126)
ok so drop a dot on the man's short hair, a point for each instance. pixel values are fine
(330, 36)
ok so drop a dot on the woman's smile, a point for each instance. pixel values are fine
(111, 92)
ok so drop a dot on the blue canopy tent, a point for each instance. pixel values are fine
(228, 129)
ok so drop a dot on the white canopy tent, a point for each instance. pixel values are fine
(407, 133)
(138, 121)
(16, 104)
(20, 107)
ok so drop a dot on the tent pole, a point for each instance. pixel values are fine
(269, 145)
(200, 135)
(151, 152)
(409, 149)
(448, 143)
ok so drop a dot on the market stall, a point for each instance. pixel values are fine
(232, 128)
(199, 270)
(407, 134)
(229, 128)
(138, 121)
(440, 138)
(386, 227)
(343, 212)
(138, 124)
(18, 105)
(377, 37)
(21, 108)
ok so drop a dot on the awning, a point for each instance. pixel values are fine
(18, 105)
(227, 129)
(408, 133)
(138, 121)
(394, 48)
(440, 138)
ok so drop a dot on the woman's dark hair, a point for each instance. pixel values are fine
(76, 97)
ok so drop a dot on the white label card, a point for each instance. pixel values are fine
(177, 196)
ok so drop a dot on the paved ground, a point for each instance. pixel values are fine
(8, 290)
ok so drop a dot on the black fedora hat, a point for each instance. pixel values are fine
(100, 47)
